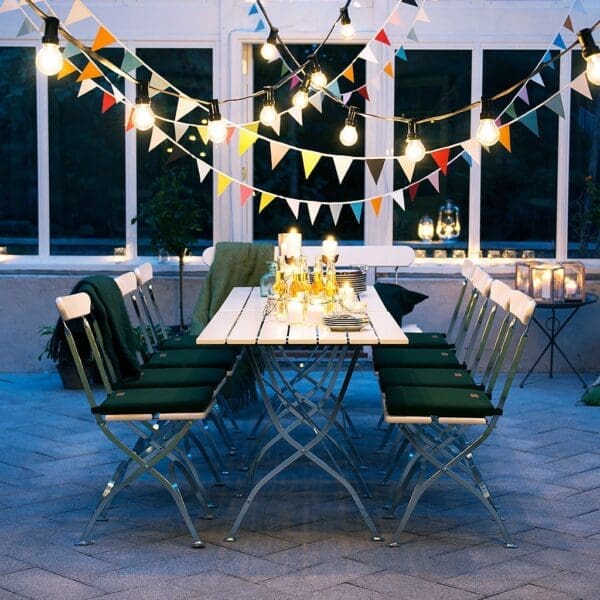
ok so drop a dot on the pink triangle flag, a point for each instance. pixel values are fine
(434, 180)
(580, 84)
(294, 81)
(523, 94)
(346, 96)
(278, 151)
(245, 193)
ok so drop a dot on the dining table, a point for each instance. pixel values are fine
(302, 372)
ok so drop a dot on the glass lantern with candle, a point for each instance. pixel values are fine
(523, 276)
(425, 229)
(574, 281)
(547, 283)
(448, 223)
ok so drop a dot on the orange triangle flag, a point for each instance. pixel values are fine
(108, 102)
(230, 132)
(349, 73)
(505, 136)
(91, 71)
(441, 159)
(376, 204)
(67, 69)
(129, 125)
(103, 38)
(389, 70)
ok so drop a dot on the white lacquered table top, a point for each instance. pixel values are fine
(241, 321)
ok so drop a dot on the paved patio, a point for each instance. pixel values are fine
(303, 537)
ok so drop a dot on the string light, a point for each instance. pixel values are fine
(415, 151)
(591, 53)
(349, 135)
(487, 132)
(318, 79)
(300, 98)
(49, 60)
(143, 117)
(268, 114)
(217, 130)
(347, 29)
(269, 48)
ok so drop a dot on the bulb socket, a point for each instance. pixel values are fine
(51, 31)
(344, 16)
(586, 40)
(213, 110)
(269, 97)
(351, 118)
(142, 95)
(486, 109)
(412, 130)
(272, 38)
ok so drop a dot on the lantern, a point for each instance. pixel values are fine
(425, 229)
(448, 223)
(574, 281)
(523, 276)
(548, 283)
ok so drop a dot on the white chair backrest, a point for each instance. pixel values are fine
(209, 255)
(74, 306)
(143, 273)
(482, 281)
(522, 306)
(500, 294)
(467, 268)
(127, 283)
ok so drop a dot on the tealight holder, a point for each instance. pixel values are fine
(548, 283)
(574, 281)
(523, 276)
(120, 253)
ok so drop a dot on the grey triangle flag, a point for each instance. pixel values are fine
(555, 104)
(26, 27)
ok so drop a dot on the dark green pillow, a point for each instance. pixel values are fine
(591, 396)
(398, 300)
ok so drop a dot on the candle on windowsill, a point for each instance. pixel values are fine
(293, 244)
(330, 249)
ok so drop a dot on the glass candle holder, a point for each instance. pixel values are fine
(574, 281)
(119, 252)
(440, 253)
(523, 276)
(548, 283)
(425, 229)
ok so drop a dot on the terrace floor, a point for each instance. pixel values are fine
(303, 537)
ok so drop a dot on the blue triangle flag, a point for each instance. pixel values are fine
(130, 62)
(467, 158)
(253, 10)
(357, 208)
(530, 121)
(558, 41)
(260, 26)
(334, 88)
(401, 54)
(70, 50)
(547, 58)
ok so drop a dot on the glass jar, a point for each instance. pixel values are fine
(448, 223)
(267, 281)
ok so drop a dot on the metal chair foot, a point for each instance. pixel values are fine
(511, 545)
(363, 468)
(211, 505)
(230, 539)
(224, 472)
(393, 545)
(377, 538)
(207, 517)
(85, 543)
(198, 544)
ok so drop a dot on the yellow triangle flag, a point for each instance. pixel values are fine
(349, 73)
(505, 136)
(203, 131)
(265, 200)
(248, 135)
(310, 160)
(389, 69)
(91, 71)
(223, 182)
(376, 204)
(103, 38)
(67, 69)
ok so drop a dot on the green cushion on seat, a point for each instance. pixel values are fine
(197, 357)
(179, 342)
(157, 400)
(428, 340)
(166, 378)
(403, 356)
(427, 378)
(439, 402)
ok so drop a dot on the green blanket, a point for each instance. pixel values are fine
(591, 396)
(235, 264)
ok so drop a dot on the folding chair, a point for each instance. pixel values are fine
(436, 420)
(160, 418)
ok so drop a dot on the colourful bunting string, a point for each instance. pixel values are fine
(537, 78)
(203, 169)
(67, 69)
(230, 132)
(316, 100)
(78, 12)
(294, 81)
(70, 50)
(265, 200)
(296, 114)
(357, 210)
(568, 24)
(467, 158)
(375, 166)
(382, 37)
(90, 71)
(408, 166)
(511, 111)
(473, 149)
(184, 106)
(558, 41)
(9, 5)
(376, 204)
(223, 182)
(401, 54)
(103, 38)
(348, 72)
(129, 120)
(245, 193)
(398, 197)
(313, 210)
(260, 26)
(335, 208)
(389, 69)
(505, 137)
(158, 137)
(555, 104)
(530, 121)
(248, 135)
(412, 190)
(422, 16)
(87, 85)
(294, 206)
(411, 2)
(523, 94)
(434, 180)
(180, 129)
(441, 159)
(580, 85)
(203, 133)
(547, 59)
(108, 101)
(367, 54)
(253, 10)
(309, 160)
(342, 164)
(26, 27)
(412, 35)
(278, 151)
(363, 92)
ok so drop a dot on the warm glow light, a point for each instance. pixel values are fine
(268, 51)
(318, 79)
(300, 99)
(217, 131)
(415, 151)
(143, 117)
(487, 132)
(49, 60)
(349, 135)
(268, 114)
(347, 31)
(592, 69)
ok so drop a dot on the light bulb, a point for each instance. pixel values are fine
(268, 51)
(487, 132)
(268, 115)
(592, 69)
(49, 60)
(300, 99)
(217, 131)
(318, 80)
(348, 135)
(143, 117)
(347, 31)
(415, 151)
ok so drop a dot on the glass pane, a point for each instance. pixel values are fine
(18, 152)
(518, 188)
(428, 83)
(167, 167)
(87, 166)
(584, 170)
(320, 132)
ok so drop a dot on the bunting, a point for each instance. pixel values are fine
(313, 210)
(441, 159)
(245, 193)
(78, 12)
(260, 26)
(408, 166)
(389, 69)
(412, 35)
(184, 106)
(342, 164)
(223, 182)
(531, 122)
(348, 72)
(129, 120)
(412, 190)
(376, 204)
(180, 129)
(555, 104)
(90, 71)
(278, 151)
(294, 81)
(294, 206)
(108, 101)
(411, 2)
(203, 169)
(523, 94)
(157, 85)
(382, 37)
(309, 160)
(248, 136)
(9, 5)
(335, 209)
(537, 78)
(70, 50)
(434, 180)
(157, 138)
(26, 27)
(67, 69)
(467, 158)
(398, 197)
(230, 132)
(558, 41)
(422, 16)
(568, 24)
(511, 111)
(547, 59)
(87, 85)
(505, 137)
(363, 92)
(473, 149)
(296, 114)
(367, 54)
(580, 85)
(253, 10)
(316, 100)
(394, 18)
(375, 166)
(103, 38)
(265, 200)
(203, 133)
(357, 210)
(401, 54)
(334, 89)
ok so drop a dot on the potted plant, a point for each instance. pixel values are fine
(175, 220)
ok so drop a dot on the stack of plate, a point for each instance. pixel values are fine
(354, 277)
(345, 322)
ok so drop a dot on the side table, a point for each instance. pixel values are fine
(552, 328)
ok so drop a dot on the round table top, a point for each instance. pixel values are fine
(589, 299)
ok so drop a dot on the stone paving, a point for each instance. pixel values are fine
(303, 537)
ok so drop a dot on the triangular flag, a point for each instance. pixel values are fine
(401, 54)
(537, 78)
(467, 158)
(511, 111)
(523, 94)
(253, 10)
(558, 41)
(412, 190)
(203, 169)
(265, 200)
(67, 69)
(342, 164)
(203, 132)
(362, 90)
(580, 84)
(411, 2)
(317, 101)
(260, 26)
(412, 35)
(180, 129)
(310, 160)
(157, 84)
(382, 37)
(441, 159)
(375, 166)
(128, 119)
(422, 16)
(336, 209)
(294, 81)
(86, 86)
(294, 207)
(130, 62)
(505, 137)
(394, 18)
(473, 148)
(184, 106)
(245, 193)
(248, 135)
(108, 101)
(91, 71)
(547, 59)
(278, 151)
(434, 180)
(158, 136)
(530, 121)
(346, 96)
(398, 197)
(103, 38)
(389, 69)
(357, 208)
(230, 132)
(367, 54)
(26, 27)
(376, 204)
(334, 88)
(348, 72)
(568, 24)
(555, 104)
(77, 13)
(116, 92)
(276, 125)
(578, 6)
(175, 153)
(70, 50)
(296, 114)
(313, 210)
(223, 182)
(408, 166)
(284, 69)
(9, 5)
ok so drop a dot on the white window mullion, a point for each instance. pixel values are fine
(43, 165)
(474, 242)
(131, 231)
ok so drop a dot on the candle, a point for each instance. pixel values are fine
(293, 244)
(330, 249)
(295, 311)
(547, 285)
(537, 286)
(315, 313)
(570, 287)
(346, 295)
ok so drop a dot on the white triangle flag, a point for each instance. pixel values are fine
(158, 136)
(342, 164)
(157, 83)
(537, 78)
(180, 129)
(367, 54)
(336, 209)
(9, 5)
(408, 166)
(317, 101)
(473, 147)
(203, 169)
(313, 210)
(276, 127)
(398, 197)
(434, 179)
(422, 16)
(294, 206)
(278, 151)
(296, 114)
(580, 84)
(119, 97)
(79, 11)
(87, 85)
(184, 106)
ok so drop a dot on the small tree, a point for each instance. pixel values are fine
(175, 220)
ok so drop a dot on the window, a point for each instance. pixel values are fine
(18, 152)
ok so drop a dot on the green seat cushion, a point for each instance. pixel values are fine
(427, 378)
(197, 357)
(591, 396)
(402, 356)
(156, 400)
(165, 378)
(428, 340)
(179, 342)
(440, 402)
(398, 300)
